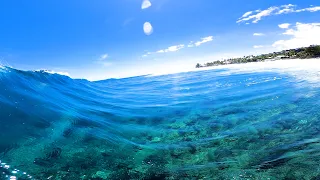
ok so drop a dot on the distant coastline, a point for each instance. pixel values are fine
(312, 51)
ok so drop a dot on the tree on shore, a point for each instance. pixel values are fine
(312, 51)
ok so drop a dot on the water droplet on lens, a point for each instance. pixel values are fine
(147, 28)
(145, 4)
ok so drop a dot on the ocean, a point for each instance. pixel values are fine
(223, 123)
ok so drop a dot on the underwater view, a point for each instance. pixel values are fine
(160, 90)
(209, 124)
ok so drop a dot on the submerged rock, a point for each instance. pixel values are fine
(54, 154)
(101, 175)
(222, 153)
(156, 139)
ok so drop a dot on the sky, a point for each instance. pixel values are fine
(104, 39)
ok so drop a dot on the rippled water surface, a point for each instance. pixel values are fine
(197, 125)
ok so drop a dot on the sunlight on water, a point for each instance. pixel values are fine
(225, 123)
(7, 172)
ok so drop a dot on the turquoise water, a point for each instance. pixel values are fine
(198, 125)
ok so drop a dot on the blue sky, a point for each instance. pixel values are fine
(105, 38)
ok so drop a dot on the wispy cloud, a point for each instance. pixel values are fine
(105, 64)
(310, 9)
(258, 46)
(302, 34)
(102, 60)
(258, 34)
(284, 25)
(191, 44)
(127, 21)
(146, 54)
(104, 56)
(247, 14)
(257, 15)
(285, 9)
(204, 40)
(171, 48)
(145, 4)
(181, 46)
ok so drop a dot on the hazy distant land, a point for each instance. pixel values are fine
(312, 51)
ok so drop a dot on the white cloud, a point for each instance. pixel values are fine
(258, 34)
(181, 46)
(284, 25)
(310, 9)
(102, 59)
(313, 9)
(105, 64)
(246, 14)
(286, 9)
(289, 32)
(104, 56)
(147, 28)
(171, 48)
(191, 44)
(258, 46)
(145, 4)
(204, 40)
(147, 54)
(301, 35)
(257, 15)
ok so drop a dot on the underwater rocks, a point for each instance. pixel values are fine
(51, 156)
(215, 126)
(54, 154)
(274, 163)
(42, 162)
(191, 148)
(99, 175)
(156, 139)
(67, 132)
(219, 154)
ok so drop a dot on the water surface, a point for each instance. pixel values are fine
(199, 125)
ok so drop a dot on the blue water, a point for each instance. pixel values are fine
(198, 125)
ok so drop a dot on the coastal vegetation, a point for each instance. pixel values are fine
(312, 51)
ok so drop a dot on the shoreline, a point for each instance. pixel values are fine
(293, 63)
(310, 52)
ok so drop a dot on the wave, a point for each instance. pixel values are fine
(168, 126)
(54, 72)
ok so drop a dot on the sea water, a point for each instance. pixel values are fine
(210, 124)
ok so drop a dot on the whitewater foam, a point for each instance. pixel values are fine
(54, 72)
